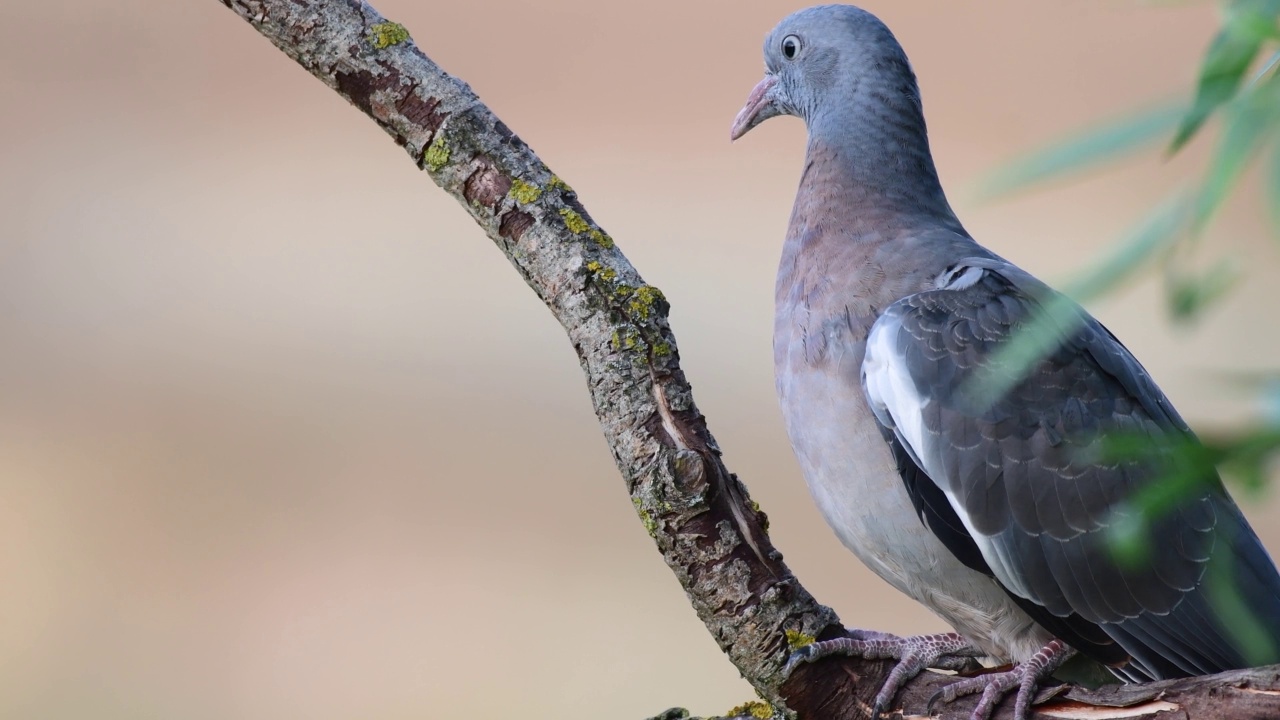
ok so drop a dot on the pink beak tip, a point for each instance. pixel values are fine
(756, 101)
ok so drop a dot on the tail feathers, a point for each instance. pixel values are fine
(1230, 620)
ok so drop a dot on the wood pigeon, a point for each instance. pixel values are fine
(978, 484)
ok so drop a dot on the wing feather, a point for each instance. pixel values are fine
(1032, 496)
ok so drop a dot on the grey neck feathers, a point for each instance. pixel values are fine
(874, 147)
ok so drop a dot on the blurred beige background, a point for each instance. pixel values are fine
(283, 436)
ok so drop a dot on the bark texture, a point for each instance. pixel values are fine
(712, 536)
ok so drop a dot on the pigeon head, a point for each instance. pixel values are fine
(829, 65)
(839, 69)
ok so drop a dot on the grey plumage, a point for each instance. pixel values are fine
(1024, 473)
(885, 307)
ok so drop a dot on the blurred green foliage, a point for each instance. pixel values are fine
(1238, 90)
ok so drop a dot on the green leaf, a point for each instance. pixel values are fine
(1271, 64)
(1129, 538)
(1243, 625)
(1246, 457)
(1250, 121)
(1246, 27)
(1250, 474)
(1188, 296)
(1183, 465)
(1256, 16)
(1056, 319)
(1094, 146)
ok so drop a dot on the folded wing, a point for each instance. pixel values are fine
(1017, 486)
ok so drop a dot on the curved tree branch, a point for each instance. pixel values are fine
(713, 537)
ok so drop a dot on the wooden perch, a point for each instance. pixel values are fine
(708, 530)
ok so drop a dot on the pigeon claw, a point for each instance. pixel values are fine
(945, 651)
(803, 655)
(1024, 677)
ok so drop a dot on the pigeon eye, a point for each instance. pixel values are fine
(790, 47)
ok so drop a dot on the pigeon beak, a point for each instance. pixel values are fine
(761, 105)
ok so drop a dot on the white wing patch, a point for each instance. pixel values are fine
(893, 395)
(898, 405)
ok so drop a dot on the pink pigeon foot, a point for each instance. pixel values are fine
(1024, 677)
(944, 651)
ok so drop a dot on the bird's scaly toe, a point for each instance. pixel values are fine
(946, 651)
(1025, 677)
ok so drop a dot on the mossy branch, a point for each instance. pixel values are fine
(708, 530)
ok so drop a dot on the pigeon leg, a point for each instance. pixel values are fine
(1024, 678)
(944, 651)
